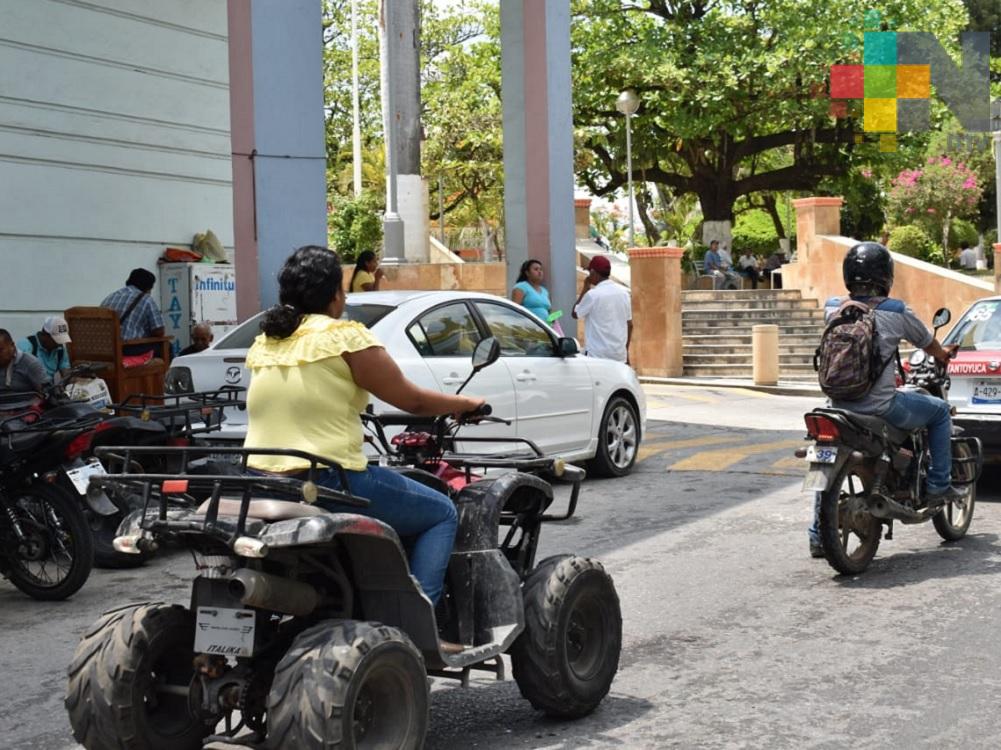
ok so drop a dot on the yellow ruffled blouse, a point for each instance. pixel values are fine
(302, 395)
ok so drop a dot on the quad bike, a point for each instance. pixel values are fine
(306, 629)
(865, 473)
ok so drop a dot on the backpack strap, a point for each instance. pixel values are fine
(130, 308)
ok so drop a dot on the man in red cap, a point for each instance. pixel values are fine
(607, 312)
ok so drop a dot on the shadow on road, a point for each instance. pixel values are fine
(973, 555)
(497, 715)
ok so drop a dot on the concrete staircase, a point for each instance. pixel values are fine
(716, 331)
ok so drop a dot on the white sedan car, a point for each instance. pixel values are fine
(575, 407)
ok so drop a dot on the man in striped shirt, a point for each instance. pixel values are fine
(138, 314)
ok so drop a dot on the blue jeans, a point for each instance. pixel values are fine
(911, 411)
(413, 510)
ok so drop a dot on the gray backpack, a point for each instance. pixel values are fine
(847, 361)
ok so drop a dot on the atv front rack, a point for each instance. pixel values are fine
(247, 484)
(184, 414)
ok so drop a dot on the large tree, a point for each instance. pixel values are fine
(734, 92)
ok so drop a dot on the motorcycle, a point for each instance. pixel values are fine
(866, 473)
(46, 549)
(286, 590)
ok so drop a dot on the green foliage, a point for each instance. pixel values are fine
(962, 233)
(863, 213)
(354, 225)
(915, 242)
(754, 231)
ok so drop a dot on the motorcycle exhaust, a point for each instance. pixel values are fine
(266, 591)
(885, 508)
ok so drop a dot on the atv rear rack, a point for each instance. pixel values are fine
(183, 414)
(157, 488)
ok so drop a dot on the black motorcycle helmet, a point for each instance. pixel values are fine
(868, 267)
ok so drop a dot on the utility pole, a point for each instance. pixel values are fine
(355, 104)
(392, 224)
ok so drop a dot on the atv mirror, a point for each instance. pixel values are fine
(942, 316)
(486, 353)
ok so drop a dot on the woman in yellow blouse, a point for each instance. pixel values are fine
(312, 376)
(367, 275)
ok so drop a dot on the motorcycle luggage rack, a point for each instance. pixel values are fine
(175, 411)
(960, 475)
(158, 487)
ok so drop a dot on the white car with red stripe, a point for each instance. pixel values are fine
(976, 373)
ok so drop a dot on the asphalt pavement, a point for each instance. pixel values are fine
(733, 636)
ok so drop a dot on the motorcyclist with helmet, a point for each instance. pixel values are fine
(868, 275)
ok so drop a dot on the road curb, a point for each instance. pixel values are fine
(782, 389)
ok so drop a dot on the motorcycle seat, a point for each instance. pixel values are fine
(875, 425)
(21, 442)
(264, 510)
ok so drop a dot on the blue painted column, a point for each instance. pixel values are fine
(538, 143)
(279, 149)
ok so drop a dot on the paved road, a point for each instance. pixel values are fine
(733, 636)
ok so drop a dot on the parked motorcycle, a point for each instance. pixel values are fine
(867, 474)
(46, 548)
(307, 629)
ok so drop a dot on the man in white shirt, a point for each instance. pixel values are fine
(968, 258)
(607, 312)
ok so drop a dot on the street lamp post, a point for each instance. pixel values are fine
(997, 172)
(627, 104)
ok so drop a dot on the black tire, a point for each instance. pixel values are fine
(566, 658)
(111, 696)
(349, 684)
(55, 561)
(841, 517)
(105, 529)
(618, 439)
(952, 522)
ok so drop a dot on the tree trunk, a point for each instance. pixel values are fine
(945, 239)
(773, 211)
(643, 208)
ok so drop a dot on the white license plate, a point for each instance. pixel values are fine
(986, 392)
(821, 454)
(226, 632)
(80, 476)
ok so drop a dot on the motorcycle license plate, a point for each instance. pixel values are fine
(821, 454)
(80, 476)
(223, 631)
(986, 392)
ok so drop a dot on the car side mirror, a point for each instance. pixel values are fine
(942, 317)
(567, 347)
(486, 353)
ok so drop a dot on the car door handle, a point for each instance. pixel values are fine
(452, 380)
(525, 377)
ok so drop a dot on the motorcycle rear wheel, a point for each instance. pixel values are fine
(953, 522)
(842, 517)
(57, 555)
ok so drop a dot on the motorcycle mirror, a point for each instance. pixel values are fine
(942, 317)
(486, 353)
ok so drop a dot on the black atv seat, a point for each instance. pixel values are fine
(874, 424)
(264, 510)
(22, 442)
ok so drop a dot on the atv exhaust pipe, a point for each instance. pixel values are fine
(266, 591)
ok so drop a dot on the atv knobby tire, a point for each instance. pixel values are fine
(349, 684)
(112, 695)
(568, 654)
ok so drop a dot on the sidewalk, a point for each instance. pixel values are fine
(784, 388)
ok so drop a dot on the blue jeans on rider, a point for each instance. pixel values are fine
(413, 510)
(910, 411)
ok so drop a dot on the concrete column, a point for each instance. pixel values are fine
(815, 216)
(538, 142)
(582, 218)
(997, 267)
(279, 149)
(765, 354)
(656, 297)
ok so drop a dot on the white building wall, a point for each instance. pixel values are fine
(114, 143)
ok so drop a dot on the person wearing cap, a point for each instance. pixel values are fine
(138, 315)
(607, 312)
(48, 346)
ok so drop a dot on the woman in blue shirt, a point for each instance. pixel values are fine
(529, 292)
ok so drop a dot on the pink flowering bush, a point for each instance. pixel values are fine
(933, 196)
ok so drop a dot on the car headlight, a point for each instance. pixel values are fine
(178, 380)
(917, 357)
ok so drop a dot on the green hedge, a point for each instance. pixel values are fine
(754, 231)
(915, 242)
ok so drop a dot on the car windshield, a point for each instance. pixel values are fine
(979, 329)
(243, 336)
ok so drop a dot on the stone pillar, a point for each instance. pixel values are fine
(656, 297)
(279, 147)
(582, 218)
(538, 143)
(815, 216)
(997, 267)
